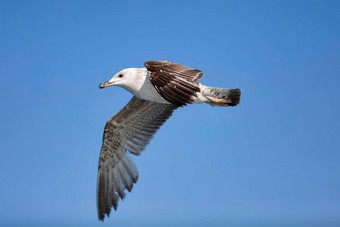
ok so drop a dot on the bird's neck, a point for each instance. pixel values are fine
(140, 79)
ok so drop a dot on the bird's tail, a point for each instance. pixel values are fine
(222, 96)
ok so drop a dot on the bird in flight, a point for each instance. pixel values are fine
(159, 89)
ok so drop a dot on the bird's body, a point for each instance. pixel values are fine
(158, 90)
(143, 88)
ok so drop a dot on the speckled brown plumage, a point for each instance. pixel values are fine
(129, 130)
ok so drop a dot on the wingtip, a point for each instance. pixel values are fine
(101, 216)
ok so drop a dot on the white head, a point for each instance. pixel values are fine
(127, 78)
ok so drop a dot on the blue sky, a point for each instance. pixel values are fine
(272, 160)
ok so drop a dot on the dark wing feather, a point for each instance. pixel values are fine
(174, 82)
(183, 71)
(130, 129)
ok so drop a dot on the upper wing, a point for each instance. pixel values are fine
(174, 82)
(129, 130)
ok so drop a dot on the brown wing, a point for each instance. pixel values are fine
(130, 129)
(174, 82)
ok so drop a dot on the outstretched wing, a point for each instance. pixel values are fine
(129, 130)
(174, 82)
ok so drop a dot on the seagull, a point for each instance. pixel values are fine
(158, 89)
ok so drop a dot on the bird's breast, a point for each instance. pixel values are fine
(148, 92)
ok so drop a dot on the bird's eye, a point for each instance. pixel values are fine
(120, 75)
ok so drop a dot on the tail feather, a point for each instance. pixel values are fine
(222, 96)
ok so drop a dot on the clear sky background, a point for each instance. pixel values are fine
(271, 161)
